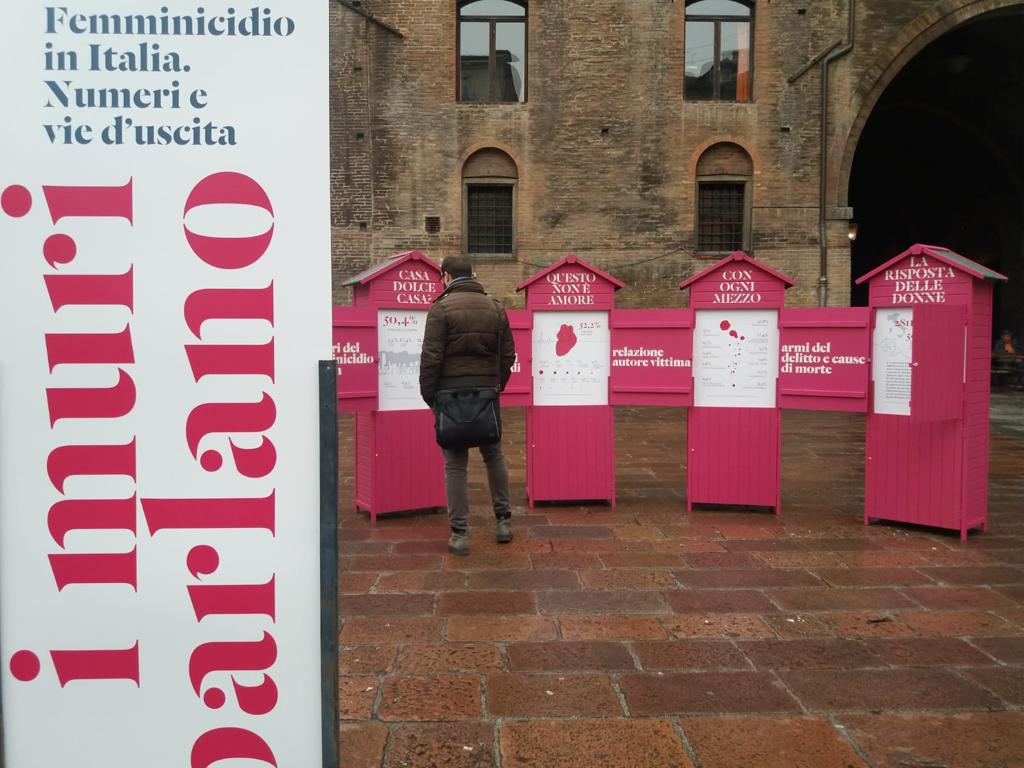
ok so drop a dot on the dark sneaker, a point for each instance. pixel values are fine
(503, 533)
(458, 543)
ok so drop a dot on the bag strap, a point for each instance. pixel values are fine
(497, 358)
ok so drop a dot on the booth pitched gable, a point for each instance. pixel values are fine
(943, 255)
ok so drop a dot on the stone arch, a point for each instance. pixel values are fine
(741, 144)
(490, 162)
(487, 146)
(725, 158)
(910, 41)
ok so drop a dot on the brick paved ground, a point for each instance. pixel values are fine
(646, 637)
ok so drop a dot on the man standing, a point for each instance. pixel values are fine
(468, 343)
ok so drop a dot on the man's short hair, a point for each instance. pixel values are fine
(457, 266)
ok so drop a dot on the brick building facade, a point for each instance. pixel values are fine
(607, 151)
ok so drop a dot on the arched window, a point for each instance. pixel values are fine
(492, 50)
(724, 172)
(489, 179)
(719, 50)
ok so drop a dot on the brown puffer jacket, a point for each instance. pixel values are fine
(460, 343)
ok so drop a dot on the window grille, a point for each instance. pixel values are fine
(490, 223)
(720, 208)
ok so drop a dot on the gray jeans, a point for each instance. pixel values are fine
(455, 462)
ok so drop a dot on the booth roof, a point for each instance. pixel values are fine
(371, 272)
(738, 256)
(973, 268)
(572, 259)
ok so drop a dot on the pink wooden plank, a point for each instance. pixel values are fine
(733, 456)
(976, 416)
(652, 354)
(355, 350)
(363, 457)
(913, 472)
(570, 453)
(825, 358)
(409, 464)
(937, 367)
(519, 390)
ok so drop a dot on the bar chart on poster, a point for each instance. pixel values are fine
(891, 348)
(571, 358)
(400, 339)
(735, 358)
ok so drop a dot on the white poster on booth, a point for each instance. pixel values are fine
(891, 348)
(165, 199)
(571, 358)
(400, 339)
(735, 358)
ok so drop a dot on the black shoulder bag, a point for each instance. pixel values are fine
(469, 418)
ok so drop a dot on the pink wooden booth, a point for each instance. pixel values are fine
(927, 427)
(606, 357)
(377, 344)
(570, 426)
(734, 427)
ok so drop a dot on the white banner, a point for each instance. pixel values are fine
(571, 358)
(735, 358)
(164, 191)
(399, 342)
(892, 342)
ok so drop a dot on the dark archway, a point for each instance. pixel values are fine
(941, 158)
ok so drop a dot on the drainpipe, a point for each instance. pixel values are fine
(832, 55)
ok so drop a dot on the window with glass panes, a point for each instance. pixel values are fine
(719, 50)
(492, 51)
(489, 220)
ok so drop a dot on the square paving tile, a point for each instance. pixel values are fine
(604, 743)
(769, 742)
(705, 692)
(972, 740)
(928, 689)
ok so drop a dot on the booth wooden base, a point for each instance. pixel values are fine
(733, 457)
(981, 525)
(399, 466)
(916, 473)
(570, 453)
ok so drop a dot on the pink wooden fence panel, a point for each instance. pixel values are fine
(355, 350)
(519, 390)
(825, 358)
(652, 355)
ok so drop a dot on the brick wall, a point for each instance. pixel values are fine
(606, 148)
